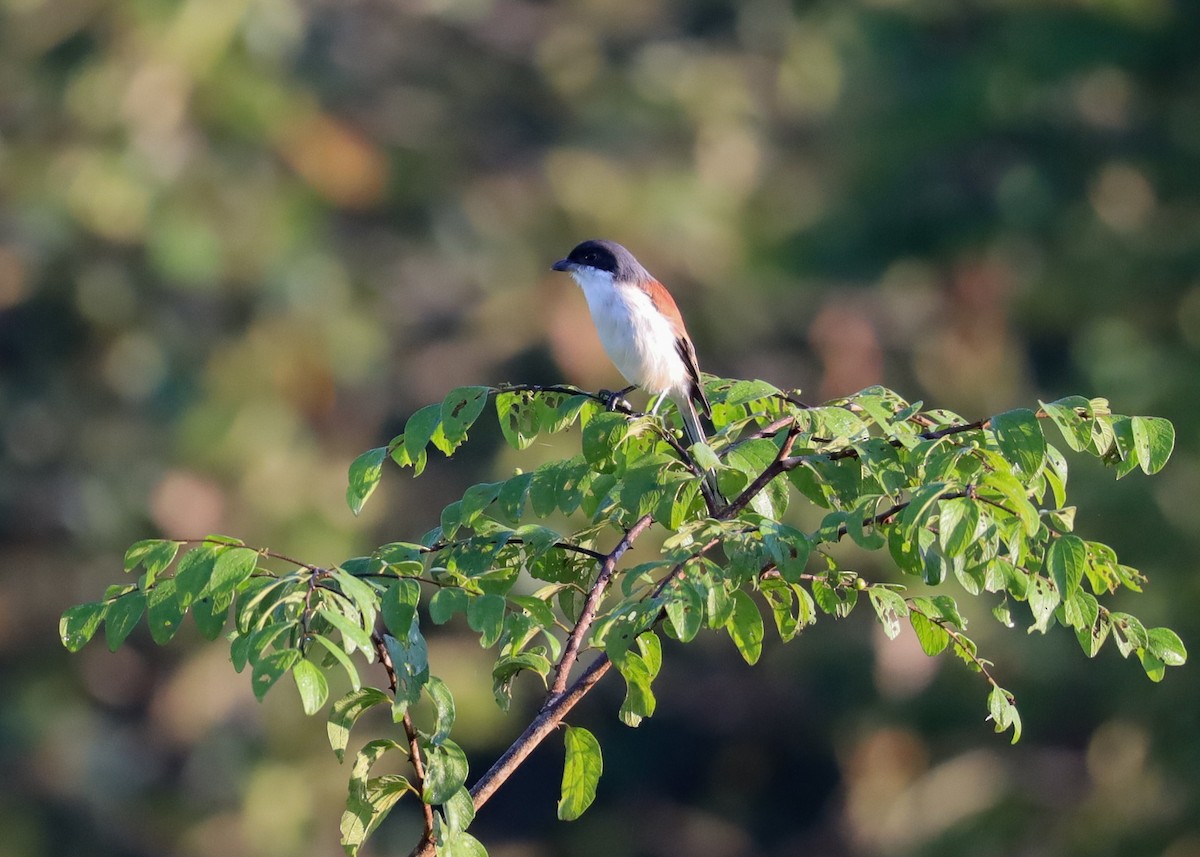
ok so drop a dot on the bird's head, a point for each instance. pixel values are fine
(598, 261)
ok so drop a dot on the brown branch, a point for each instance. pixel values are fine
(769, 430)
(614, 401)
(592, 605)
(541, 726)
(764, 479)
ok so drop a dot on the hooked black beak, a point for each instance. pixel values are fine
(563, 265)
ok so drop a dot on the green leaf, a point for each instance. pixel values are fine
(685, 608)
(451, 519)
(518, 418)
(459, 811)
(507, 668)
(353, 634)
(1117, 445)
(543, 499)
(510, 501)
(270, 668)
(80, 623)
(639, 698)
(340, 656)
(921, 505)
(860, 523)
(1129, 633)
(443, 705)
(445, 603)
(1003, 712)
(485, 616)
(1091, 626)
(932, 636)
(361, 594)
(752, 458)
(1165, 645)
(410, 660)
(1066, 560)
(1155, 669)
(788, 547)
(890, 607)
(401, 554)
(1055, 473)
(260, 598)
(643, 486)
(1021, 441)
(476, 499)
(154, 554)
(419, 429)
(445, 771)
(571, 478)
(399, 606)
(460, 409)
(745, 627)
(1076, 428)
(122, 617)
(163, 614)
(1003, 614)
(957, 520)
(345, 712)
(370, 800)
(459, 843)
(231, 569)
(581, 773)
(780, 596)
(617, 631)
(831, 601)
(365, 472)
(745, 392)
(1154, 440)
(194, 572)
(601, 436)
(311, 683)
(1014, 497)
(209, 617)
(651, 649)
(1044, 598)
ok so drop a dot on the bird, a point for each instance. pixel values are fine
(641, 330)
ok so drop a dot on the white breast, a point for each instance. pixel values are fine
(637, 337)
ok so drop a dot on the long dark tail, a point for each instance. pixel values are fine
(694, 430)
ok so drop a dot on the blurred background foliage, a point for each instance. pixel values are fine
(241, 240)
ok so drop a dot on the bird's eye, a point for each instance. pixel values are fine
(589, 256)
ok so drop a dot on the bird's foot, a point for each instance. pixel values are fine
(614, 400)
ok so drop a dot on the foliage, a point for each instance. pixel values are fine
(975, 507)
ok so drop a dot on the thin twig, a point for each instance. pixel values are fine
(438, 547)
(260, 551)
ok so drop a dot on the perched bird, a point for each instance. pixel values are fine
(640, 328)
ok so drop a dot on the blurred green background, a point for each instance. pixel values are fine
(241, 240)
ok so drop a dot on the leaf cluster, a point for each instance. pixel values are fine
(964, 507)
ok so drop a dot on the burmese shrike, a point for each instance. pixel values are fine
(640, 327)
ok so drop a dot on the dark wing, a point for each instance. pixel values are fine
(688, 352)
